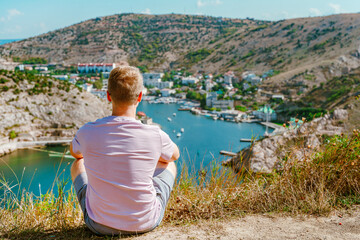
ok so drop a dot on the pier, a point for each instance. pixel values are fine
(226, 153)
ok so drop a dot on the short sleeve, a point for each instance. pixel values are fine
(167, 146)
(76, 147)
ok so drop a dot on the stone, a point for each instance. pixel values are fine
(340, 114)
(299, 144)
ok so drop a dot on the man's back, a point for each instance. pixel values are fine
(120, 156)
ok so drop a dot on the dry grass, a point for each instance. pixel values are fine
(330, 180)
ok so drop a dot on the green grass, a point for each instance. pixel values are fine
(328, 180)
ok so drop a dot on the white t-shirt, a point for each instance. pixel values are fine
(120, 156)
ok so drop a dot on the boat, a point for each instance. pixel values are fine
(174, 131)
(215, 117)
(169, 119)
(178, 134)
(174, 114)
(182, 130)
(60, 155)
(184, 108)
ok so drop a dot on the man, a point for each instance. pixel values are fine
(124, 170)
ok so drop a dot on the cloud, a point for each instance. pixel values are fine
(315, 12)
(201, 3)
(146, 11)
(336, 7)
(10, 14)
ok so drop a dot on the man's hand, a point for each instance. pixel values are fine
(77, 156)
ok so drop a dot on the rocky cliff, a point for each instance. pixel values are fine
(296, 144)
(36, 108)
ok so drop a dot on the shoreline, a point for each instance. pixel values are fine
(10, 147)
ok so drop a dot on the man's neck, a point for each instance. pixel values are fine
(124, 110)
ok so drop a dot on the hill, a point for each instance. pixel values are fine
(41, 108)
(305, 53)
(197, 42)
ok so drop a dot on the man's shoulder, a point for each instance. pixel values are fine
(89, 125)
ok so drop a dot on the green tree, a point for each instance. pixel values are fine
(98, 84)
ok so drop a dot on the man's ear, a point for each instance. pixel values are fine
(108, 96)
(139, 97)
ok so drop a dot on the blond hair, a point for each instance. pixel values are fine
(125, 84)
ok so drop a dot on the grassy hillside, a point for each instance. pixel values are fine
(197, 42)
(328, 181)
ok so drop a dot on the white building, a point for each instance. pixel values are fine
(87, 87)
(145, 91)
(149, 77)
(158, 84)
(209, 85)
(251, 78)
(106, 74)
(105, 84)
(181, 95)
(189, 80)
(95, 67)
(72, 80)
(246, 86)
(278, 96)
(223, 104)
(61, 77)
(41, 69)
(265, 113)
(21, 67)
(228, 78)
(210, 97)
(166, 92)
(154, 80)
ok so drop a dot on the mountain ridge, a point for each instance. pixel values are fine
(163, 41)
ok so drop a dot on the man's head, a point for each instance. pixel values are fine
(125, 85)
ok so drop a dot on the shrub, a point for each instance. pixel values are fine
(241, 108)
(12, 134)
(3, 80)
(199, 55)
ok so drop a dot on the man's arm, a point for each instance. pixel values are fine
(77, 156)
(174, 157)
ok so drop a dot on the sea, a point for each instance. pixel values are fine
(38, 170)
(5, 41)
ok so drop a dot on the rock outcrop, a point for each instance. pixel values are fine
(55, 112)
(299, 143)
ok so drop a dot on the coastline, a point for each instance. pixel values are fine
(13, 146)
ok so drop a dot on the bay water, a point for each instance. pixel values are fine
(199, 144)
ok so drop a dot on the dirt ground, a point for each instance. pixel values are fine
(336, 226)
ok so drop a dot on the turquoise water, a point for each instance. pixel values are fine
(5, 41)
(203, 138)
(199, 144)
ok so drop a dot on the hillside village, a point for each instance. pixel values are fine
(275, 70)
(218, 97)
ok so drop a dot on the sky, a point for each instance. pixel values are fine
(26, 18)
